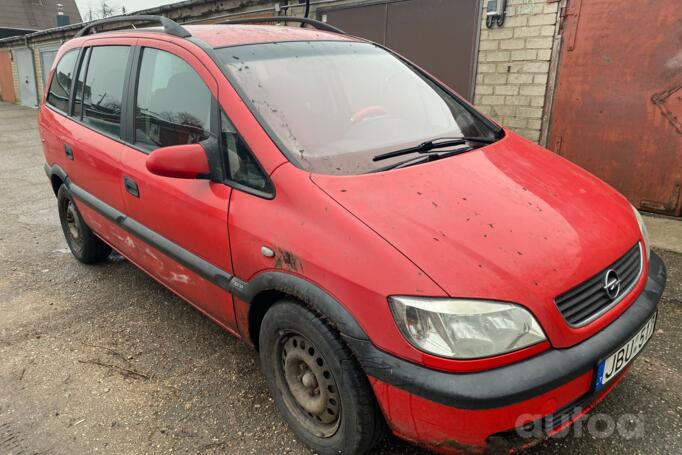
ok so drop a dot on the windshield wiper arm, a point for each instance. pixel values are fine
(427, 146)
(433, 156)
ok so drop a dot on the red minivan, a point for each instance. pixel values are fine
(398, 260)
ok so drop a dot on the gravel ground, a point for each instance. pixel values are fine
(103, 359)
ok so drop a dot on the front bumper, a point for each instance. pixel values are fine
(495, 399)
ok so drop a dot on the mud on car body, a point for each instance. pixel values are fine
(399, 260)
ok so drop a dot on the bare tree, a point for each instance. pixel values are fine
(105, 9)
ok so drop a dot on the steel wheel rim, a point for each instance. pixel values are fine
(72, 223)
(308, 386)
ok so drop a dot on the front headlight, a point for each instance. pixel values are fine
(645, 233)
(464, 329)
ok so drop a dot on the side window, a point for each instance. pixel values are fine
(80, 82)
(173, 104)
(242, 166)
(60, 88)
(103, 90)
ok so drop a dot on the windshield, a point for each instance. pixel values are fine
(334, 105)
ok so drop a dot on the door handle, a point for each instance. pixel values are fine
(68, 151)
(131, 186)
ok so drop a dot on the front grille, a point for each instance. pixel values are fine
(586, 301)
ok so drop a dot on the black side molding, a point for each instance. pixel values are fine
(520, 381)
(188, 259)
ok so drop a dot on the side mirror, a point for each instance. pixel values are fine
(187, 161)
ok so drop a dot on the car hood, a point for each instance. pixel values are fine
(510, 221)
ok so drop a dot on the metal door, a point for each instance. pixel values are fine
(27, 77)
(6, 78)
(618, 105)
(439, 35)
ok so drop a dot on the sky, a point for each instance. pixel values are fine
(85, 6)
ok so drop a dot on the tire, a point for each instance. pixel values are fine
(83, 243)
(308, 368)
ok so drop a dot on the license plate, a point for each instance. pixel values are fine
(609, 367)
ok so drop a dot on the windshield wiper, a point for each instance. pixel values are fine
(431, 156)
(426, 147)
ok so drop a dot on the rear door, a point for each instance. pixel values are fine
(93, 139)
(186, 246)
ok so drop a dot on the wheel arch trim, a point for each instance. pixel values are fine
(299, 288)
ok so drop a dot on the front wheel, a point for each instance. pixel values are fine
(83, 243)
(316, 383)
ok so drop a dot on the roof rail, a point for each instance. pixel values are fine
(169, 26)
(301, 20)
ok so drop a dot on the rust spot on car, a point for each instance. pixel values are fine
(285, 259)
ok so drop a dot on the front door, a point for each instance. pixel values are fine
(185, 245)
(6, 78)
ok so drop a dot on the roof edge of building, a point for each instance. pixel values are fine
(72, 29)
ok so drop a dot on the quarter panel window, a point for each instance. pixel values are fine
(173, 104)
(103, 89)
(60, 87)
(242, 166)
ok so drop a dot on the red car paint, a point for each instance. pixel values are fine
(509, 221)
(179, 161)
(447, 430)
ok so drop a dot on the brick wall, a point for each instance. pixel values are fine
(513, 65)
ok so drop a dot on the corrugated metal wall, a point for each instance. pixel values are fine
(439, 35)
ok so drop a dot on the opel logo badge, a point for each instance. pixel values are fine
(612, 284)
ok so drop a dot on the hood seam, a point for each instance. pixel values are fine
(310, 176)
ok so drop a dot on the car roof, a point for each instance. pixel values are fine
(224, 35)
(237, 34)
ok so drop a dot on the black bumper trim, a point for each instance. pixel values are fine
(520, 381)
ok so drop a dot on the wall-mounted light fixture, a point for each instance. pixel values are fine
(495, 13)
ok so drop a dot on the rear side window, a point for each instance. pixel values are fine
(60, 88)
(173, 104)
(103, 90)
